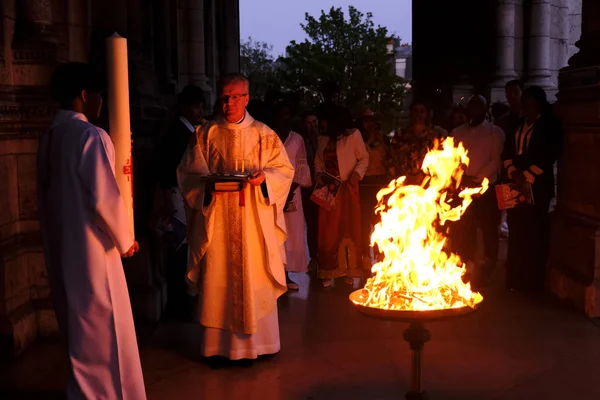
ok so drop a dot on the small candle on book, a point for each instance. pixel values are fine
(243, 165)
(207, 150)
(236, 165)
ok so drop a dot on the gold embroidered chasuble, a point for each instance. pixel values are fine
(236, 247)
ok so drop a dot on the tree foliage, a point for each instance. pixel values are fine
(258, 65)
(352, 52)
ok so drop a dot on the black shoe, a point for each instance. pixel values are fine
(218, 362)
(245, 363)
(267, 356)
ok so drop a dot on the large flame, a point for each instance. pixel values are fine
(416, 272)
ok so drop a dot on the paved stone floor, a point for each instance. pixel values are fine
(512, 348)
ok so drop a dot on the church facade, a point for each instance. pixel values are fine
(170, 44)
(459, 48)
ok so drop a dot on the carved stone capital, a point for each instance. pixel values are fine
(34, 21)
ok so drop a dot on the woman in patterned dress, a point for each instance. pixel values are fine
(341, 153)
(410, 146)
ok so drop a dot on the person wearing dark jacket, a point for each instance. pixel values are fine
(190, 114)
(529, 156)
(511, 121)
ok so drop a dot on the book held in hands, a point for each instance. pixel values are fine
(326, 190)
(513, 195)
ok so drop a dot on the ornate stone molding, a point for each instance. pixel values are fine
(34, 21)
(24, 111)
(34, 53)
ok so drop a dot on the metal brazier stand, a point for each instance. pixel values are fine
(416, 334)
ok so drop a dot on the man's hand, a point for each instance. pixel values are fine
(518, 177)
(354, 178)
(256, 178)
(290, 197)
(209, 187)
(132, 250)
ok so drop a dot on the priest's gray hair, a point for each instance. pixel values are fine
(232, 78)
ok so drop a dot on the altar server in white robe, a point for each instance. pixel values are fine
(85, 232)
(236, 240)
(296, 248)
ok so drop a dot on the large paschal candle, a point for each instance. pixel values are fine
(118, 114)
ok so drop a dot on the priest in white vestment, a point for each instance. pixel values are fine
(85, 231)
(236, 239)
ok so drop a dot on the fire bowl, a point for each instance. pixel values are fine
(357, 298)
(416, 334)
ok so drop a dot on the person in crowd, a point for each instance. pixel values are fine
(458, 116)
(342, 154)
(236, 239)
(376, 177)
(85, 232)
(295, 245)
(497, 111)
(484, 142)
(529, 157)
(510, 122)
(310, 130)
(410, 146)
(190, 115)
(512, 118)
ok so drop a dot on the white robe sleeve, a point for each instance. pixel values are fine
(97, 175)
(361, 153)
(302, 173)
(278, 171)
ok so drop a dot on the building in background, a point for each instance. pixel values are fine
(171, 44)
(402, 58)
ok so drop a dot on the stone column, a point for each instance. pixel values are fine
(163, 39)
(562, 36)
(212, 52)
(230, 34)
(505, 48)
(574, 25)
(539, 43)
(574, 264)
(196, 48)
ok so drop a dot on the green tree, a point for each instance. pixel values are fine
(352, 52)
(258, 65)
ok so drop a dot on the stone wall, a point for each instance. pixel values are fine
(30, 50)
